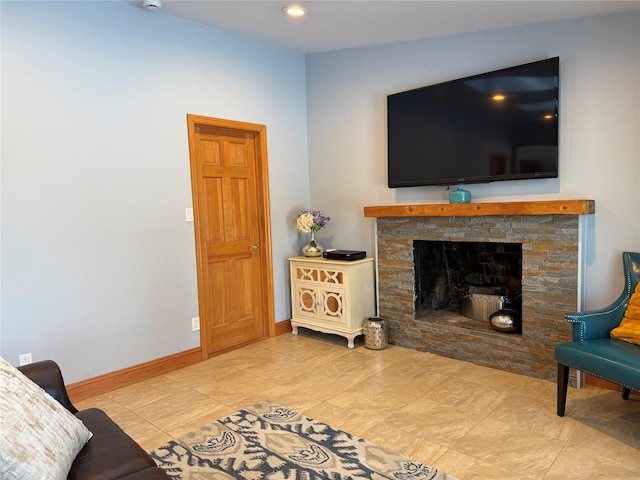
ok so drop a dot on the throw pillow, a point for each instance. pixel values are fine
(39, 438)
(629, 329)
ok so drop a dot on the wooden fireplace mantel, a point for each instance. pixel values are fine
(544, 207)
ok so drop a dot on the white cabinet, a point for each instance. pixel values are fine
(332, 296)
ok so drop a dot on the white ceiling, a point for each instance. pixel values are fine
(335, 25)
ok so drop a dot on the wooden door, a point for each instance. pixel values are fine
(233, 238)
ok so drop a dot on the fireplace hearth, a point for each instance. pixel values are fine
(549, 239)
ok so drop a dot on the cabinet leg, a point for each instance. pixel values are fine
(350, 343)
(294, 329)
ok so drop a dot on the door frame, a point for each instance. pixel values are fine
(264, 218)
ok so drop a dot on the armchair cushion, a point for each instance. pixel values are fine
(39, 438)
(629, 328)
(606, 358)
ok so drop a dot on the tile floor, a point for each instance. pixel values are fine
(470, 421)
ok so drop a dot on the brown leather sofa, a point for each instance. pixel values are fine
(110, 454)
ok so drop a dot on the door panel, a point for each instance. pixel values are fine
(213, 209)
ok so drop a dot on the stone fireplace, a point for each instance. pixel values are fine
(549, 235)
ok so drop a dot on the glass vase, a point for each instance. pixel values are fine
(313, 248)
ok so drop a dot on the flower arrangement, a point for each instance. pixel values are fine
(311, 221)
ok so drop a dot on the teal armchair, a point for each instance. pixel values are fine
(593, 351)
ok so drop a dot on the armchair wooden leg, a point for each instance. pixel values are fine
(625, 393)
(563, 383)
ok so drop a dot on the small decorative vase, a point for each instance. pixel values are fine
(460, 196)
(312, 249)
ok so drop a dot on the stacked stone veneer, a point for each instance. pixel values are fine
(549, 288)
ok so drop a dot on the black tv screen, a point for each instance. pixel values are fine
(501, 125)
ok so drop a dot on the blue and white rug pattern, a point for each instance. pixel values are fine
(271, 442)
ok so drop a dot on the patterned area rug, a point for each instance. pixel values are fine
(267, 441)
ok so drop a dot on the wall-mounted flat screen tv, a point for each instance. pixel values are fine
(501, 125)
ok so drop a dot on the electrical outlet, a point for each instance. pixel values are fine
(25, 359)
(195, 324)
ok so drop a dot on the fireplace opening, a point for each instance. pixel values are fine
(451, 277)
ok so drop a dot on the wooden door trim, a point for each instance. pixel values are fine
(262, 185)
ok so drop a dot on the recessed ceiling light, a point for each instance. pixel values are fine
(294, 11)
(152, 4)
(498, 97)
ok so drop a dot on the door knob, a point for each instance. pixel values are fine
(254, 248)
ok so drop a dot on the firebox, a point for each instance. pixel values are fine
(449, 273)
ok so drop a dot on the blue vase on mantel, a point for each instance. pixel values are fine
(460, 196)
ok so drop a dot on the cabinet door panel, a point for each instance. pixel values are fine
(333, 305)
(306, 301)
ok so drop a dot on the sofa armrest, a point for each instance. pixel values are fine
(47, 375)
(111, 453)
